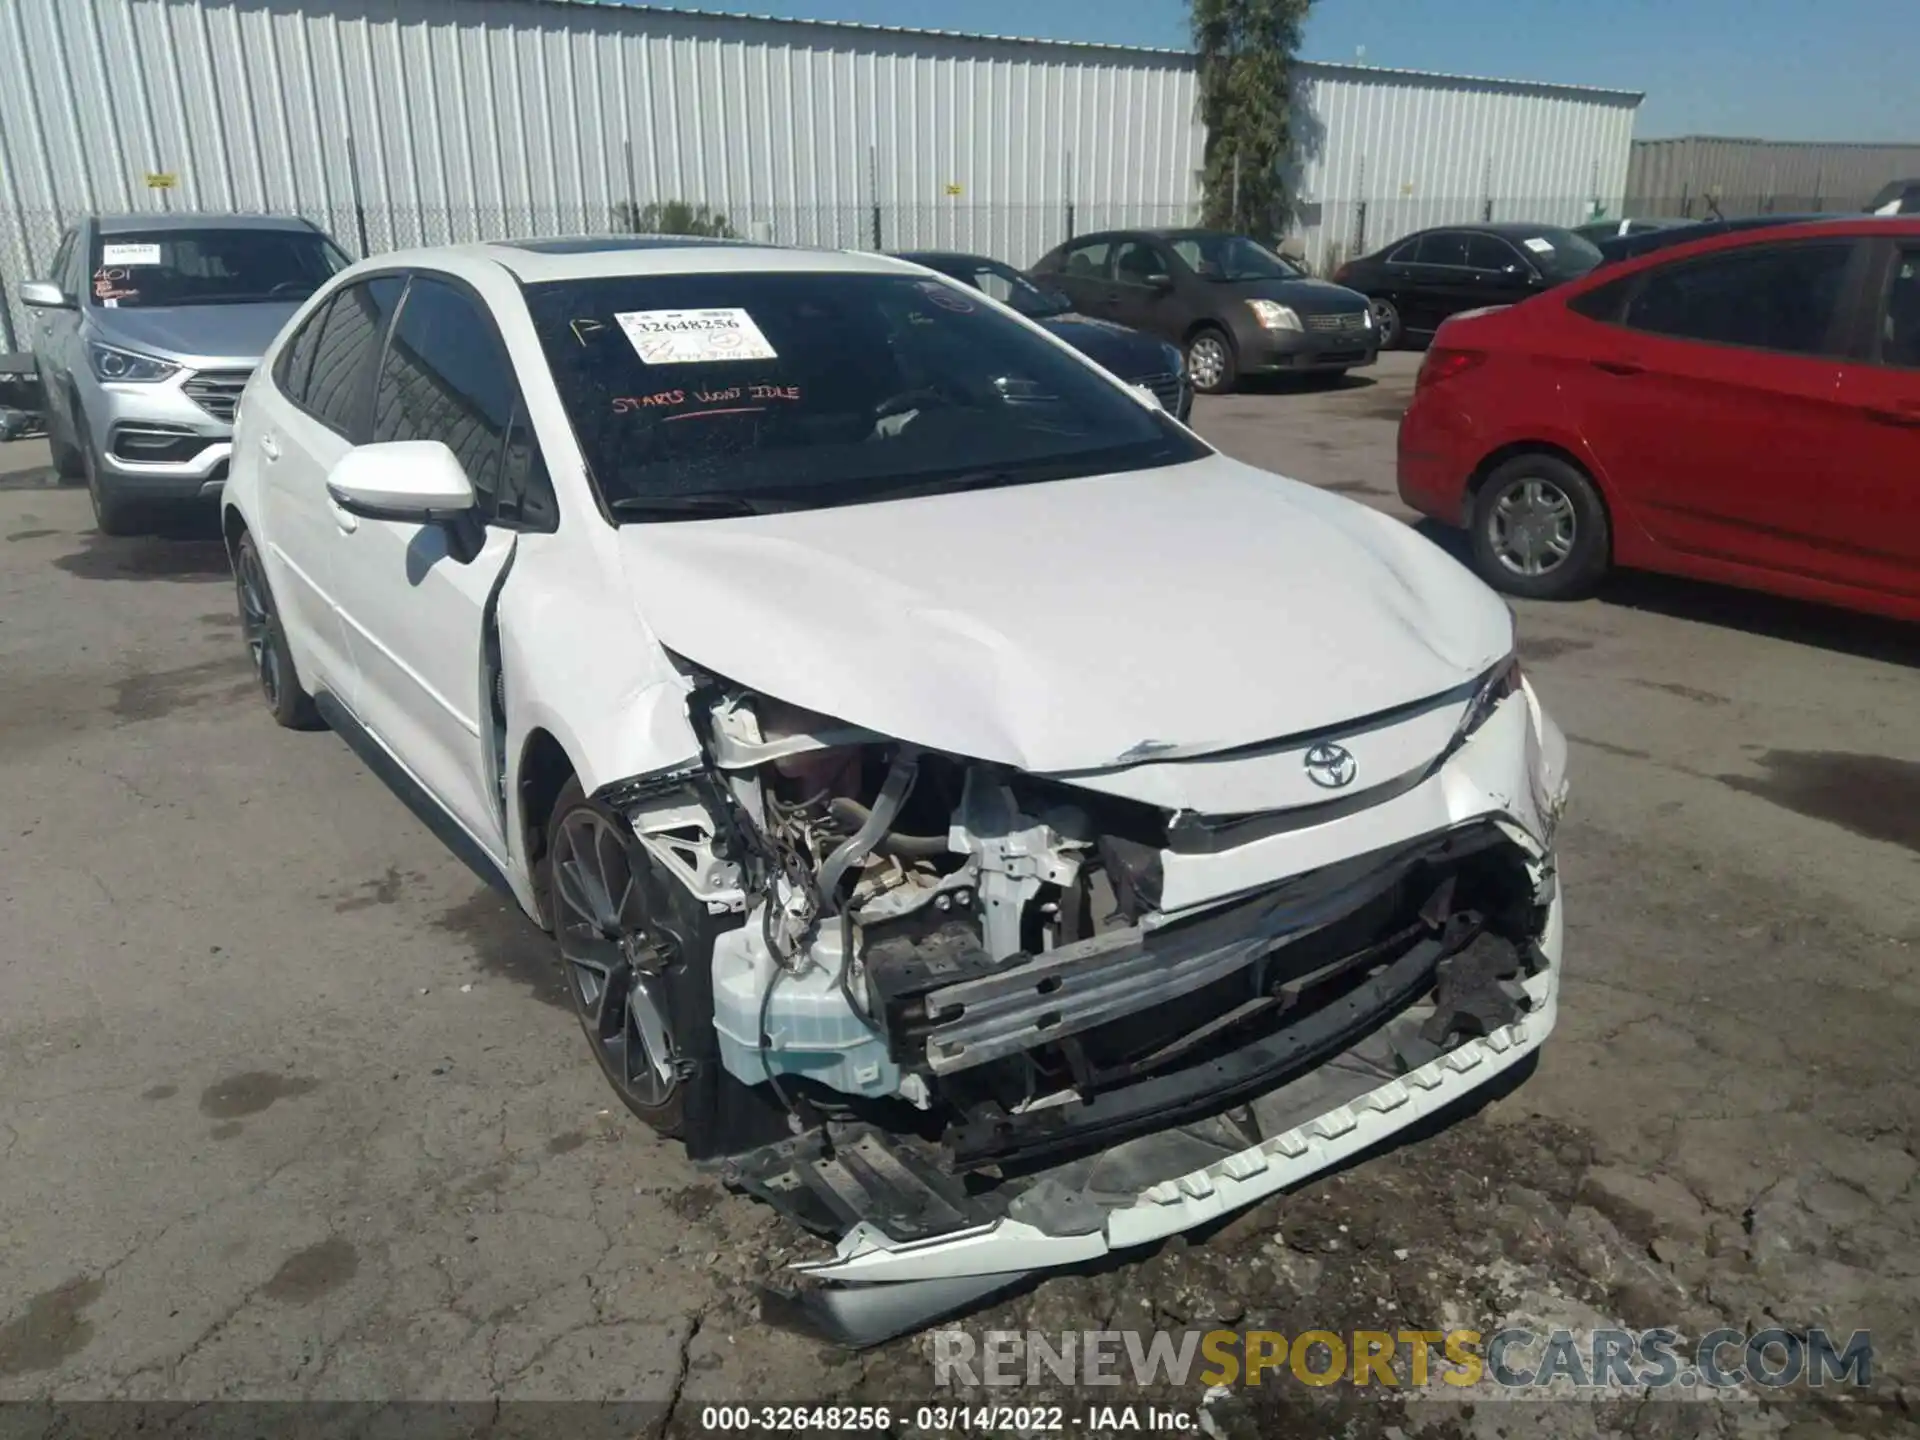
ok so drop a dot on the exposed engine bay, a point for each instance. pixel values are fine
(961, 1004)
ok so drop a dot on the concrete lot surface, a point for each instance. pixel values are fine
(291, 1107)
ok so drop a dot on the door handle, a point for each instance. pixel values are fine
(1620, 367)
(1887, 416)
(269, 447)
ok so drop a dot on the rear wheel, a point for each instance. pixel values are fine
(1540, 529)
(1386, 321)
(266, 641)
(1211, 362)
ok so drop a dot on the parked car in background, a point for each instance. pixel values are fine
(1744, 409)
(1137, 358)
(1896, 197)
(857, 686)
(1418, 281)
(1234, 306)
(146, 329)
(1630, 247)
(1598, 230)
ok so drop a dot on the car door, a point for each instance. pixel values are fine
(52, 337)
(1084, 275)
(1447, 282)
(414, 598)
(322, 386)
(1875, 517)
(1418, 271)
(1714, 402)
(1499, 273)
(1145, 293)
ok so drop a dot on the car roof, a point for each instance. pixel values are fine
(590, 257)
(194, 220)
(1845, 227)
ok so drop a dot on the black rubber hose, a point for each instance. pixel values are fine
(853, 814)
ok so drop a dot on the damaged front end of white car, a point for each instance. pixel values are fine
(969, 1021)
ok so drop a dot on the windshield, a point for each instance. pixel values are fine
(217, 266)
(1225, 258)
(1558, 254)
(729, 393)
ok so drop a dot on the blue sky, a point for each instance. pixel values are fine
(1779, 69)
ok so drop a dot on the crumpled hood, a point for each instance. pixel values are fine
(236, 334)
(1076, 624)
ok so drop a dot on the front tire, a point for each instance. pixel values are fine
(629, 941)
(113, 513)
(68, 463)
(266, 638)
(1211, 363)
(1540, 529)
(1386, 320)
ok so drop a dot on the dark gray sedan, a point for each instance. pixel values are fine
(1231, 304)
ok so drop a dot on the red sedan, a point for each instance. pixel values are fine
(1744, 409)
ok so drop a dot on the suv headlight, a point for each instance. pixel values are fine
(1176, 359)
(113, 364)
(1272, 315)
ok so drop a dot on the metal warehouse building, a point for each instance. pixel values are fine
(397, 122)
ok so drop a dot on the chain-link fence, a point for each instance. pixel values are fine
(1019, 234)
(1705, 205)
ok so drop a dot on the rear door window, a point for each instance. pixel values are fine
(1900, 316)
(346, 352)
(446, 377)
(1770, 297)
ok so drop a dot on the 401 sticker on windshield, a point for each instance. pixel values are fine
(694, 337)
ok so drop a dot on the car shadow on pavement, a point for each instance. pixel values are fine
(1305, 384)
(1801, 622)
(186, 546)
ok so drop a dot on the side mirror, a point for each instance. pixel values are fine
(45, 295)
(418, 481)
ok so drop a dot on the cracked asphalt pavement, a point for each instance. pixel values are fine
(290, 1106)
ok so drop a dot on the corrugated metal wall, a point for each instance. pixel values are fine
(1760, 177)
(426, 121)
(484, 118)
(1385, 152)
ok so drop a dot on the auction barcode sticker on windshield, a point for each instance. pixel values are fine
(129, 254)
(694, 337)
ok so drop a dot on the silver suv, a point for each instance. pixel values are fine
(146, 331)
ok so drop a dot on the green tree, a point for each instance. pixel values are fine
(1246, 52)
(670, 217)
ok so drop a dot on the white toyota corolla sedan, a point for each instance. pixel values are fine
(973, 814)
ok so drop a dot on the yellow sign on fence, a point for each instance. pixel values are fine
(161, 181)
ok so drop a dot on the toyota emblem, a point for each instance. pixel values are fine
(1331, 767)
